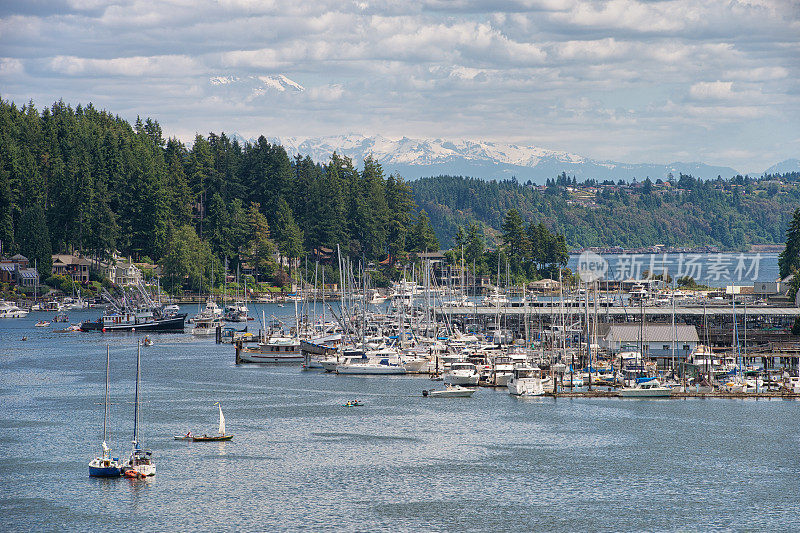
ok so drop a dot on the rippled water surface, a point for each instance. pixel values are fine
(301, 460)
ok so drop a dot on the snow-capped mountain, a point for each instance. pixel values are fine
(415, 158)
(250, 87)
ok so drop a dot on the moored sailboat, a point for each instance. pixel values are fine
(140, 463)
(103, 465)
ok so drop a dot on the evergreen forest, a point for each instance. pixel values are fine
(79, 178)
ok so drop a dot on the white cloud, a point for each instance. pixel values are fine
(9, 66)
(326, 93)
(124, 66)
(591, 77)
(712, 90)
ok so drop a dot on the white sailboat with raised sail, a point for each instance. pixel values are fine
(140, 463)
(103, 465)
(221, 434)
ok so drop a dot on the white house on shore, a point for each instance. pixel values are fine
(121, 271)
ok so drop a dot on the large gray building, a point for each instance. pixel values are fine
(656, 340)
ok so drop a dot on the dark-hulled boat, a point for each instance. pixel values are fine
(136, 311)
(140, 320)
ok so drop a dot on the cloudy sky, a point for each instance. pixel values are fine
(636, 81)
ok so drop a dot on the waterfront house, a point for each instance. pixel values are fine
(72, 266)
(8, 272)
(17, 270)
(126, 273)
(120, 271)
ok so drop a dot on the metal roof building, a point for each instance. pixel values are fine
(656, 339)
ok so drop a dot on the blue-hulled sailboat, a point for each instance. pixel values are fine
(103, 465)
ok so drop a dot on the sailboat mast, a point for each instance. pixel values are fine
(136, 400)
(674, 332)
(105, 412)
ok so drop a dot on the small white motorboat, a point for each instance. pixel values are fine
(451, 391)
(645, 388)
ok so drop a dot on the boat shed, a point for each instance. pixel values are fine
(656, 339)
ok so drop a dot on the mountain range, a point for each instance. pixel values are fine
(416, 158)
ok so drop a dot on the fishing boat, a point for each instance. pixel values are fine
(221, 435)
(137, 312)
(451, 391)
(135, 319)
(103, 465)
(140, 463)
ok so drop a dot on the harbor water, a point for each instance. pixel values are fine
(301, 460)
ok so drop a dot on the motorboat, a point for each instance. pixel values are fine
(10, 310)
(42, 324)
(69, 329)
(526, 381)
(274, 350)
(451, 391)
(461, 373)
(236, 312)
(645, 388)
(371, 367)
(206, 325)
(748, 385)
(502, 368)
(792, 384)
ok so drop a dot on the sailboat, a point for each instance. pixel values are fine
(140, 463)
(103, 465)
(220, 434)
